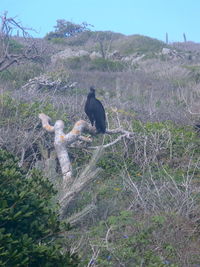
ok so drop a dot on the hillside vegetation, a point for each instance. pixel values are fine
(147, 195)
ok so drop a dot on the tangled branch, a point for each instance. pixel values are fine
(9, 57)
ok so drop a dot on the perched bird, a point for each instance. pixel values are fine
(95, 111)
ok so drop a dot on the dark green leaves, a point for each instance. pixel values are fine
(29, 227)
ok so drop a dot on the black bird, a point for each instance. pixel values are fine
(95, 111)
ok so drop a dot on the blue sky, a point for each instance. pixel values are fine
(152, 18)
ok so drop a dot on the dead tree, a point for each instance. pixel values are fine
(72, 187)
(8, 57)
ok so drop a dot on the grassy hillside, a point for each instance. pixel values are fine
(147, 194)
(138, 43)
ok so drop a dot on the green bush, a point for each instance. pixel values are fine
(90, 38)
(138, 44)
(14, 111)
(29, 227)
(19, 75)
(58, 40)
(102, 64)
(80, 39)
(15, 47)
(76, 63)
(98, 64)
(131, 241)
(194, 73)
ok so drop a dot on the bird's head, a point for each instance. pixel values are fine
(92, 90)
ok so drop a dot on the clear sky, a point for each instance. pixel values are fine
(152, 18)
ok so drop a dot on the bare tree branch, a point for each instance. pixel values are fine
(62, 140)
(71, 187)
(75, 218)
(111, 143)
(9, 57)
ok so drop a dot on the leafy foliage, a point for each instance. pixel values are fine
(194, 72)
(97, 64)
(14, 46)
(67, 28)
(107, 65)
(128, 240)
(92, 37)
(15, 111)
(29, 227)
(18, 76)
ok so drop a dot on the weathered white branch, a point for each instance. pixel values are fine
(89, 174)
(62, 140)
(111, 143)
(71, 188)
(45, 122)
(78, 187)
(74, 219)
(124, 134)
(120, 131)
(46, 81)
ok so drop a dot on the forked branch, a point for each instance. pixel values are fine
(71, 188)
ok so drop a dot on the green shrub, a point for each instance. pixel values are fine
(194, 73)
(15, 47)
(138, 44)
(76, 63)
(131, 241)
(79, 39)
(92, 37)
(98, 64)
(29, 227)
(19, 75)
(59, 41)
(106, 35)
(15, 111)
(102, 64)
